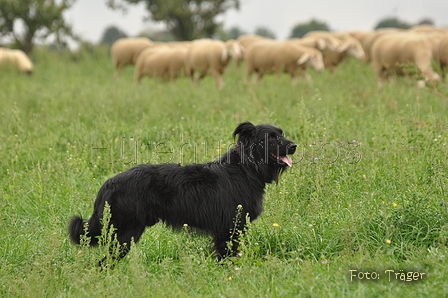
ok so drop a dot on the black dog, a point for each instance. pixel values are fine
(206, 196)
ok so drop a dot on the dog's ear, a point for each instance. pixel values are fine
(245, 130)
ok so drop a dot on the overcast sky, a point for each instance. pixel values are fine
(90, 18)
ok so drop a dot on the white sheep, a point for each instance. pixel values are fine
(271, 56)
(245, 40)
(368, 40)
(443, 55)
(17, 58)
(391, 52)
(207, 56)
(125, 51)
(166, 62)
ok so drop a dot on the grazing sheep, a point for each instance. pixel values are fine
(17, 58)
(165, 62)
(207, 56)
(349, 47)
(267, 56)
(369, 40)
(435, 35)
(391, 52)
(125, 51)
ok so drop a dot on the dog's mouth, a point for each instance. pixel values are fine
(283, 159)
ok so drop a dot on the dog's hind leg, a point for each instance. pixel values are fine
(226, 244)
(125, 235)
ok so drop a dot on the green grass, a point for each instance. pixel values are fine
(368, 190)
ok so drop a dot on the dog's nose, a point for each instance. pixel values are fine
(292, 148)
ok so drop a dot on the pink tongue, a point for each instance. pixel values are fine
(287, 160)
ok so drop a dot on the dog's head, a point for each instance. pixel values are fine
(266, 147)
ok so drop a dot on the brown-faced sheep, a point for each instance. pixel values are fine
(125, 51)
(392, 52)
(348, 46)
(16, 58)
(207, 56)
(270, 56)
(164, 62)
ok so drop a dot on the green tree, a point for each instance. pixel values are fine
(236, 31)
(111, 34)
(37, 19)
(301, 29)
(263, 31)
(186, 19)
(392, 22)
(154, 34)
(426, 21)
(226, 34)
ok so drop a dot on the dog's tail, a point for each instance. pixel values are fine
(76, 229)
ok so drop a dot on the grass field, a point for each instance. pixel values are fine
(366, 197)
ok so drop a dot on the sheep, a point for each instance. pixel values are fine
(166, 62)
(245, 40)
(207, 56)
(369, 40)
(17, 58)
(435, 35)
(347, 46)
(391, 51)
(443, 54)
(266, 56)
(125, 51)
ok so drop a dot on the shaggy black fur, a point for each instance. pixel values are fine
(204, 196)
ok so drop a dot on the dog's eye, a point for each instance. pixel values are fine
(272, 138)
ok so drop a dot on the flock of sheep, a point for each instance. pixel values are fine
(390, 50)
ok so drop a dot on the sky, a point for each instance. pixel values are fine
(90, 18)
